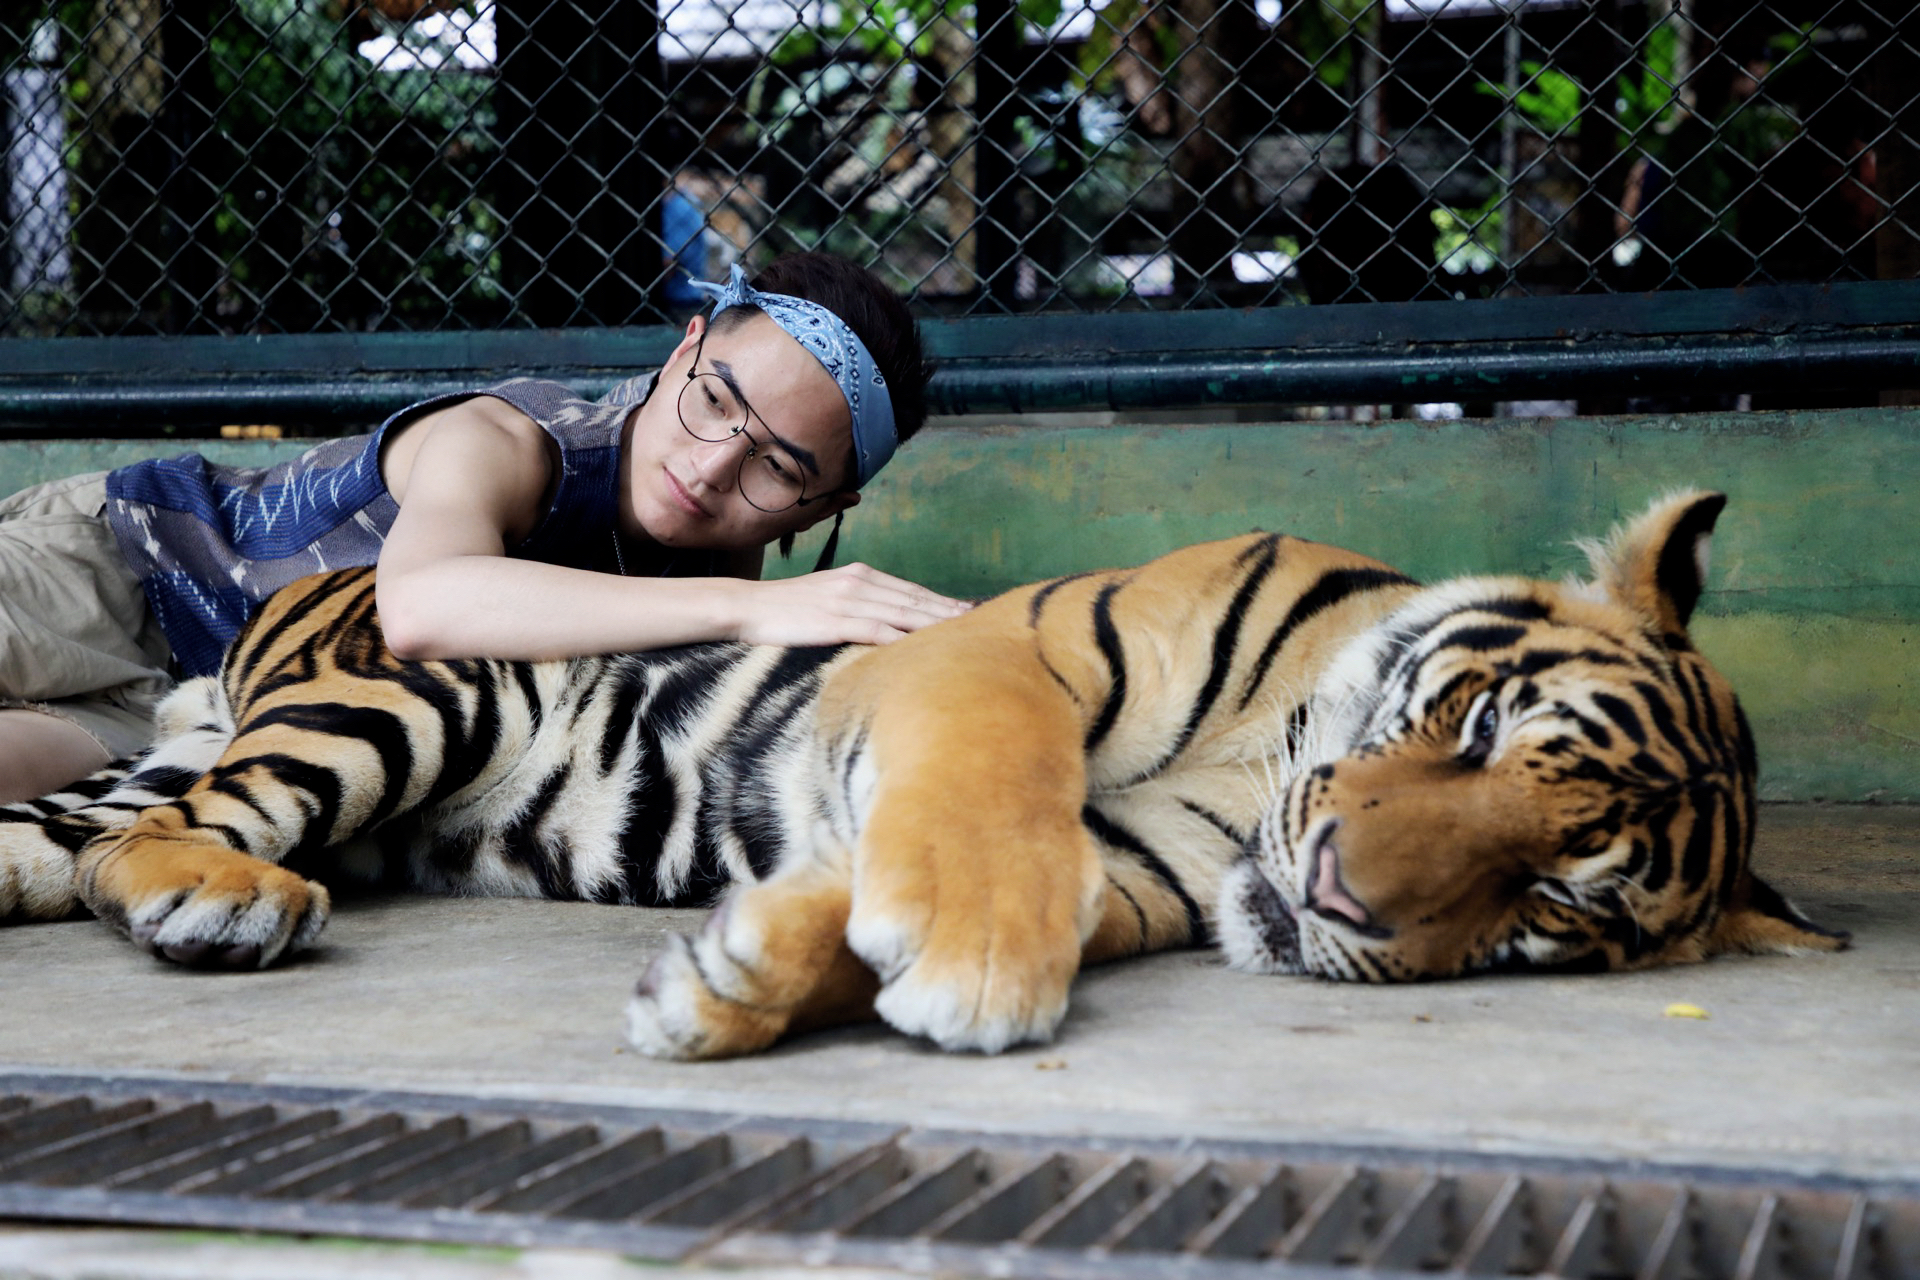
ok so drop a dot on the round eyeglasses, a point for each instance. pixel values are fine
(713, 411)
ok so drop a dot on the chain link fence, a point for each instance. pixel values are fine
(310, 166)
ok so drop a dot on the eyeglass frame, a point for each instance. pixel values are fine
(754, 445)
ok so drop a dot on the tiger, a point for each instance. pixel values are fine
(1277, 747)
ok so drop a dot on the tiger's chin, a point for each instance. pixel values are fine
(1257, 929)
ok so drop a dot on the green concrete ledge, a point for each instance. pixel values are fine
(1815, 611)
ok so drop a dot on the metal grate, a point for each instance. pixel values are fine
(674, 1186)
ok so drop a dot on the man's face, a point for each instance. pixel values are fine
(687, 491)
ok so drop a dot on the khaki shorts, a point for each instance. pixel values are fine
(77, 639)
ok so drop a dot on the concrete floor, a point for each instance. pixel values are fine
(1804, 1064)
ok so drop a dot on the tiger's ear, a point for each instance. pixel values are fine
(1657, 565)
(1760, 921)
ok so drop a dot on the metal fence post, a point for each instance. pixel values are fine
(580, 103)
(996, 107)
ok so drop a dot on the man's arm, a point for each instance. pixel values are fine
(475, 480)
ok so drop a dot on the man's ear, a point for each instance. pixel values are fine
(696, 329)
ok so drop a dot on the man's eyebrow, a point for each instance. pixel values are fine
(801, 456)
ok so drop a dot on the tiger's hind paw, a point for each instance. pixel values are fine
(36, 875)
(771, 959)
(205, 908)
(675, 1012)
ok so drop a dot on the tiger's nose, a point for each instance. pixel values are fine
(1328, 896)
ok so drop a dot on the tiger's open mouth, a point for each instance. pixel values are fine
(1259, 931)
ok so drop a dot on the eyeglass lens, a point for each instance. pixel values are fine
(769, 477)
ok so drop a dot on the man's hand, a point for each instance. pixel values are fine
(854, 604)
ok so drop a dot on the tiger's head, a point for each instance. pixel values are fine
(1522, 775)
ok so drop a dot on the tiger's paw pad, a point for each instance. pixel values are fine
(218, 928)
(675, 1013)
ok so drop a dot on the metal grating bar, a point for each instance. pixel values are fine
(1163, 1221)
(739, 1192)
(1419, 1230)
(70, 1119)
(911, 1205)
(462, 1187)
(1495, 1241)
(627, 1193)
(228, 1151)
(1000, 1211)
(1085, 1215)
(727, 1192)
(432, 1166)
(541, 1189)
(284, 1163)
(1331, 1223)
(1251, 1222)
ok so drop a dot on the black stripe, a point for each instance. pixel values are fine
(1621, 713)
(1659, 850)
(318, 781)
(1139, 913)
(1696, 861)
(1113, 834)
(1524, 609)
(1481, 637)
(1332, 587)
(170, 781)
(260, 633)
(1452, 686)
(1715, 732)
(468, 746)
(1579, 841)
(1107, 636)
(1215, 821)
(521, 843)
(1038, 603)
(382, 730)
(1667, 727)
(1226, 639)
(1296, 731)
(522, 673)
(622, 713)
(854, 751)
(652, 804)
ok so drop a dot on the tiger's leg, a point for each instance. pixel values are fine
(770, 960)
(195, 881)
(40, 838)
(955, 775)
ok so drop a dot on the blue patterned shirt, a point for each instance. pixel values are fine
(209, 543)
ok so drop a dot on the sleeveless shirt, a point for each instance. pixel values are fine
(209, 542)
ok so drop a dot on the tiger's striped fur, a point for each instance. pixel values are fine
(1286, 747)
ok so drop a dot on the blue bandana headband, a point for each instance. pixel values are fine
(840, 352)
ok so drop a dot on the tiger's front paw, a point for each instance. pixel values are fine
(967, 985)
(202, 906)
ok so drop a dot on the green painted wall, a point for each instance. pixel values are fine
(1815, 611)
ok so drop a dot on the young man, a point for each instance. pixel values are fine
(517, 522)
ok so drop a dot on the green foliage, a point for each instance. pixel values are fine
(1644, 93)
(1467, 239)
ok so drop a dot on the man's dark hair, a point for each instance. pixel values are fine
(875, 312)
